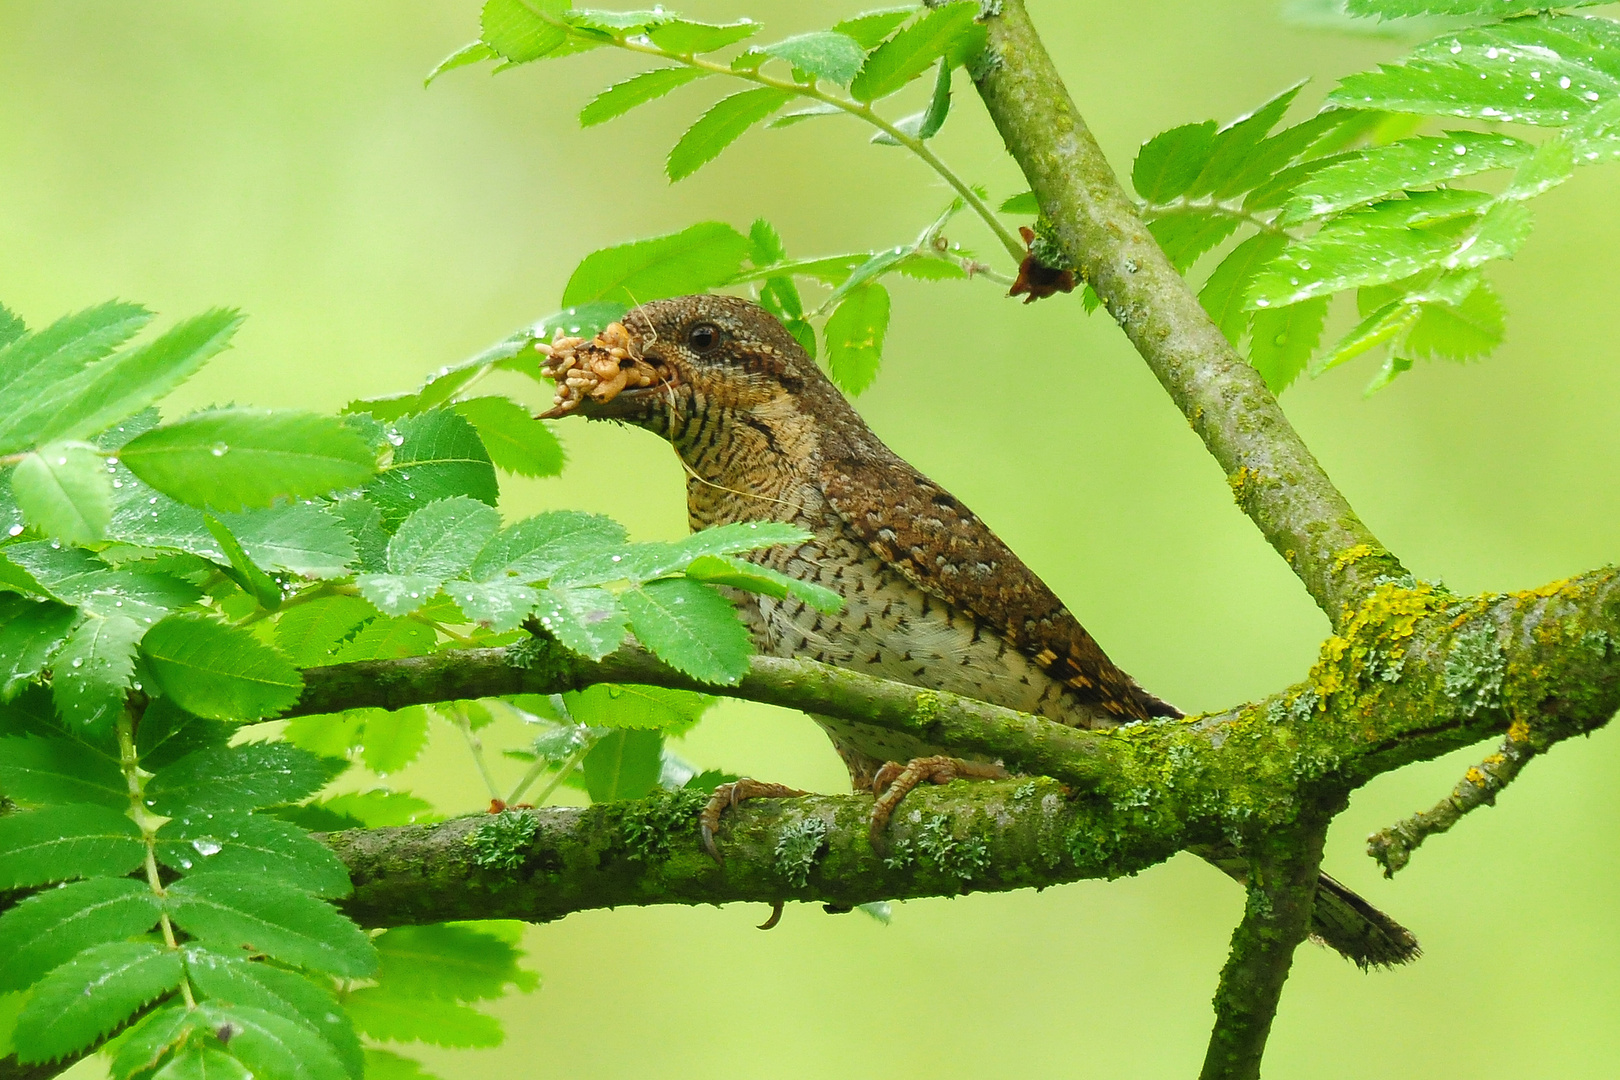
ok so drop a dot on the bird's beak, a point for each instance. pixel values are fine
(606, 377)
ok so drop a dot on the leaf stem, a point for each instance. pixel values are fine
(862, 110)
(476, 746)
(135, 780)
(568, 766)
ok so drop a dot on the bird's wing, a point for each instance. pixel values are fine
(943, 548)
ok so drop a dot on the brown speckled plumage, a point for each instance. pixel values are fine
(931, 596)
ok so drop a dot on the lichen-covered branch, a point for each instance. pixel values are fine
(1416, 672)
(1392, 848)
(543, 864)
(1282, 886)
(1276, 480)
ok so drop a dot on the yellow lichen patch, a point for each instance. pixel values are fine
(1378, 630)
(1243, 483)
(1518, 731)
(1351, 555)
(1475, 776)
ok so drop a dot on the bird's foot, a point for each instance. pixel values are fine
(894, 782)
(729, 795)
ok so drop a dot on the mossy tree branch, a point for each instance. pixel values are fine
(1284, 865)
(1415, 672)
(1274, 476)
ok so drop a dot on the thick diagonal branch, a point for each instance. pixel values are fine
(1276, 479)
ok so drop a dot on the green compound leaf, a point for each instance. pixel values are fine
(149, 1038)
(387, 639)
(535, 548)
(854, 335)
(1227, 287)
(244, 571)
(619, 705)
(1187, 235)
(30, 633)
(394, 739)
(230, 981)
(621, 97)
(219, 671)
(693, 260)
(308, 632)
(245, 910)
(643, 562)
(98, 990)
(1343, 257)
(376, 809)
(121, 386)
(363, 523)
(1388, 325)
(913, 51)
(826, 54)
(443, 538)
(237, 778)
(516, 441)
(690, 627)
(271, 1045)
(439, 540)
(624, 764)
(870, 27)
(92, 675)
(75, 576)
(36, 367)
(1282, 340)
(65, 491)
(330, 735)
(229, 459)
(381, 1013)
(499, 605)
(451, 961)
(168, 733)
(439, 456)
(1403, 166)
(1167, 164)
(1463, 331)
(398, 594)
(515, 30)
(202, 1062)
(1234, 147)
(47, 772)
(49, 928)
(690, 38)
(473, 53)
(728, 570)
(57, 843)
(587, 621)
(721, 126)
(1547, 70)
(240, 843)
(386, 1065)
(305, 538)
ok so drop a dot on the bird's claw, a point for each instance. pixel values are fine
(895, 781)
(729, 795)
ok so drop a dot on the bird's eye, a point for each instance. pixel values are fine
(703, 337)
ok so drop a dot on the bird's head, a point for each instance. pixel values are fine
(694, 369)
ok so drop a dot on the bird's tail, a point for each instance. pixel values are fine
(1341, 920)
(1357, 930)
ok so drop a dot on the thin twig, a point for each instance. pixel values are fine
(1392, 848)
(811, 90)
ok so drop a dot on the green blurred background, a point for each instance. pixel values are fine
(285, 158)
